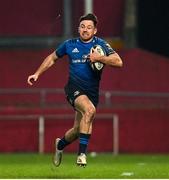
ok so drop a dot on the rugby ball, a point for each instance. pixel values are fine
(97, 66)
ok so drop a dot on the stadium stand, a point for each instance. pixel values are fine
(143, 113)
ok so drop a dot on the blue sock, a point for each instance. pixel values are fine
(83, 142)
(63, 143)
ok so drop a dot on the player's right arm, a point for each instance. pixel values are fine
(46, 64)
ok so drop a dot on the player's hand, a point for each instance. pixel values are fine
(32, 79)
(95, 56)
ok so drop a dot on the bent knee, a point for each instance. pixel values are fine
(90, 112)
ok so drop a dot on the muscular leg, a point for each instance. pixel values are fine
(73, 133)
(83, 118)
(82, 128)
(70, 136)
(87, 109)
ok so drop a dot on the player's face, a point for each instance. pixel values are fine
(87, 30)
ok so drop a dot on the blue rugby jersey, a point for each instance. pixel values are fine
(80, 71)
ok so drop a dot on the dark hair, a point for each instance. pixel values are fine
(91, 17)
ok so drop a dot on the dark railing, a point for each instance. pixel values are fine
(46, 97)
(55, 98)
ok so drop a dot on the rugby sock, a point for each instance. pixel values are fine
(63, 143)
(83, 142)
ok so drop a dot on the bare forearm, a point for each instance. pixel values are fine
(112, 60)
(46, 64)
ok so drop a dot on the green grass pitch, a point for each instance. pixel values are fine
(103, 166)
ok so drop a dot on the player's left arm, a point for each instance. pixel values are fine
(110, 57)
(111, 60)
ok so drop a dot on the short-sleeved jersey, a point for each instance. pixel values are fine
(80, 72)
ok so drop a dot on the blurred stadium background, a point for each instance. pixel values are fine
(134, 102)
